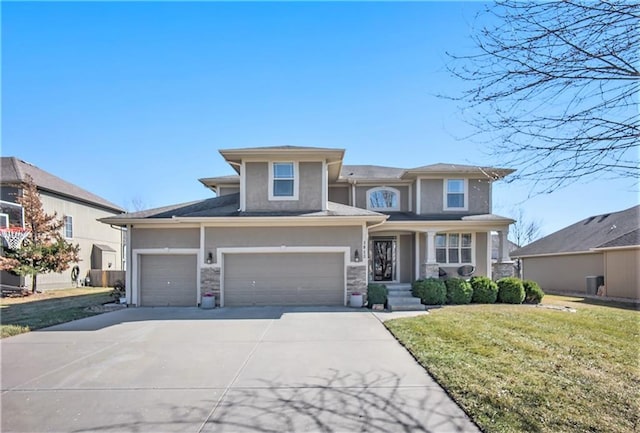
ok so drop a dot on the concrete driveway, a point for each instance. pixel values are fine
(224, 370)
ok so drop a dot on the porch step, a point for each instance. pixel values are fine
(404, 303)
(399, 287)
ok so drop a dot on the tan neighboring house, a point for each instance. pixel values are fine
(101, 246)
(599, 250)
(295, 226)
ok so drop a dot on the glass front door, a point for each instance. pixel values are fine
(384, 255)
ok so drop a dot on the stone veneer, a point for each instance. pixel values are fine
(429, 270)
(210, 282)
(503, 269)
(357, 281)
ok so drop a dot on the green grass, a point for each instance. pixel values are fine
(24, 314)
(526, 369)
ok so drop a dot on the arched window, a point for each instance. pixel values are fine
(383, 198)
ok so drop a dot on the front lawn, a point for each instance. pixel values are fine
(531, 369)
(24, 314)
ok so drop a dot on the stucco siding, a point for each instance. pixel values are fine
(563, 273)
(87, 231)
(431, 196)
(361, 195)
(165, 238)
(218, 237)
(309, 188)
(622, 278)
(406, 258)
(479, 196)
(339, 194)
(226, 190)
(481, 253)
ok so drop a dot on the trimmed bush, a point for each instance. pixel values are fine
(431, 291)
(376, 294)
(485, 290)
(510, 290)
(459, 291)
(533, 294)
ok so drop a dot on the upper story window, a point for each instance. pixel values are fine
(454, 248)
(68, 226)
(283, 183)
(455, 194)
(4, 220)
(383, 198)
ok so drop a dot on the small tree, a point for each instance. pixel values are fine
(44, 250)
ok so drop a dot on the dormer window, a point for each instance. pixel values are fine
(455, 194)
(283, 183)
(383, 199)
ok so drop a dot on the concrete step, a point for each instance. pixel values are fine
(404, 303)
(400, 294)
(407, 308)
(398, 287)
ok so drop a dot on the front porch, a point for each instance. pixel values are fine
(403, 256)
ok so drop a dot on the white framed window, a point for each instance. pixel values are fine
(383, 199)
(283, 181)
(454, 248)
(456, 194)
(68, 226)
(4, 220)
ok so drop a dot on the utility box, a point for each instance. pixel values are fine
(593, 282)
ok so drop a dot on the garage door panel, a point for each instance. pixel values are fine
(284, 279)
(168, 280)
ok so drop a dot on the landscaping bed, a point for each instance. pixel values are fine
(52, 307)
(521, 368)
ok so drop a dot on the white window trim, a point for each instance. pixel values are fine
(64, 227)
(466, 195)
(5, 215)
(473, 248)
(296, 182)
(383, 188)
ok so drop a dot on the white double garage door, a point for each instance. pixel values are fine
(248, 279)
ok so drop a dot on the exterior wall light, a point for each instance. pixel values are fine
(210, 258)
(356, 256)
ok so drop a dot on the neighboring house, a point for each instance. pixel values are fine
(605, 246)
(100, 245)
(296, 227)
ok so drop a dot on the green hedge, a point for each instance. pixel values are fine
(485, 290)
(431, 291)
(533, 292)
(376, 294)
(459, 291)
(510, 290)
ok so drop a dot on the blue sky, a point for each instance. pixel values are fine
(132, 100)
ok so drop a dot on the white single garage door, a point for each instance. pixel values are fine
(284, 279)
(168, 280)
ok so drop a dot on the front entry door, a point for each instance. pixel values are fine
(384, 251)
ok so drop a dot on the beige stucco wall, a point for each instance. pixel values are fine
(339, 194)
(226, 190)
(361, 195)
(165, 238)
(406, 249)
(622, 277)
(342, 236)
(565, 273)
(309, 192)
(86, 232)
(432, 193)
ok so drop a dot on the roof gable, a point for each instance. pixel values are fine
(592, 232)
(15, 170)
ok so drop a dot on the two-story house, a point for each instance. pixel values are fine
(100, 245)
(297, 227)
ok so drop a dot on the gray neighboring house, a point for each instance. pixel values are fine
(295, 226)
(606, 246)
(101, 246)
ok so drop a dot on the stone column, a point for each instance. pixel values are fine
(357, 280)
(210, 281)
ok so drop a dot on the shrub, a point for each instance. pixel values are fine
(485, 290)
(459, 291)
(376, 294)
(510, 290)
(118, 290)
(533, 292)
(431, 291)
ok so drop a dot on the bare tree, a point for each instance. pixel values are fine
(554, 87)
(135, 204)
(524, 230)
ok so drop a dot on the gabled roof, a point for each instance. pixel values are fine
(626, 240)
(441, 168)
(15, 171)
(371, 172)
(596, 231)
(228, 206)
(382, 173)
